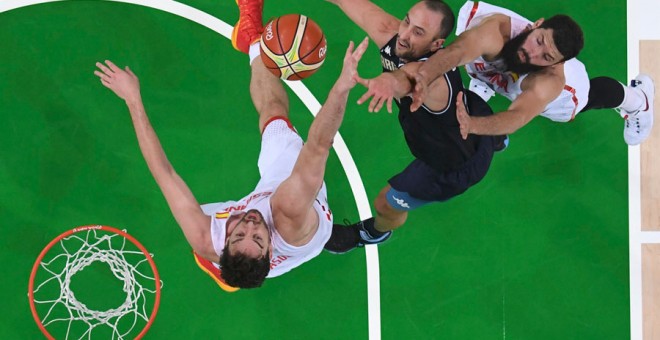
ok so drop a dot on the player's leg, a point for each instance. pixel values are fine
(605, 93)
(387, 216)
(268, 94)
(609, 93)
(417, 185)
(249, 26)
(392, 205)
(634, 103)
(373, 230)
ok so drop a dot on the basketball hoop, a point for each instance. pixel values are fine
(54, 305)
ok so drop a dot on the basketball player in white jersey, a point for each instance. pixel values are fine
(533, 65)
(286, 220)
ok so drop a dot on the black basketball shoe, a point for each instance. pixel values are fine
(347, 237)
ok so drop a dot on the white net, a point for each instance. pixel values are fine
(86, 266)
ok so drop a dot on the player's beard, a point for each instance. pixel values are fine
(510, 55)
(408, 54)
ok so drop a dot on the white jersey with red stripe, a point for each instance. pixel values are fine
(570, 101)
(279, 151)
(285, 256)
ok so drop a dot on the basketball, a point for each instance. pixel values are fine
(293, 47)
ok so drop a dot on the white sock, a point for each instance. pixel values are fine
(255, 51)
(634, 99)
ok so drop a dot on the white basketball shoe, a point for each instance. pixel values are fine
(639, 123)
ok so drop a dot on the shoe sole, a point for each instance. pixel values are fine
(234, 36)
(234, 33)
(336, 253)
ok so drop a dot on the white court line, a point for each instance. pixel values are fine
(650, 237)
(352, 173)
(641, 16)
(364, 211)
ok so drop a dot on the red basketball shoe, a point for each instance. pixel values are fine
(213, 272)
(249, 26)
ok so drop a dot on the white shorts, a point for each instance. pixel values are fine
(280, 147)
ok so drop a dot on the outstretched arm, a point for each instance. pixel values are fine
(182, 203)
(397, 84)
(537, 93)
(379, 25)
(293, 199)
(485, 39)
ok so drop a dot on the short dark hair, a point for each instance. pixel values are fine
(242, 271)
(448, 21)
(567, 35)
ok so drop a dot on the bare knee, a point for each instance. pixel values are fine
(388, 217)
(382, 206)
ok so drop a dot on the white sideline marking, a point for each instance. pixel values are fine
(640, 21)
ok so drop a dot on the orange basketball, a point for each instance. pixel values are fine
(293, 47)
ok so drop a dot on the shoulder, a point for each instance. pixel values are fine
(548, 81)
(495, 23)
(486, 37)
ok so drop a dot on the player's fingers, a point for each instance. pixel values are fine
(349, 50)
(104, 68)
(101, 75)
(112, 66)
(417, 92)
(374, 104)
(128, 70)
(464, 133)
(362, 81)
(389, 105)
(416, 89)
(459, 99)
(379, 105)
(105, 83)
(364, 97)
(359, 51)
(415, 104)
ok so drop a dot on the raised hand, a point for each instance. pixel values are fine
(462, 115)
(347, 78)
(124, 83)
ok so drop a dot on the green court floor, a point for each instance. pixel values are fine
(537, 250)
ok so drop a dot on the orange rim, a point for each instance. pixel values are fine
(67, 233)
